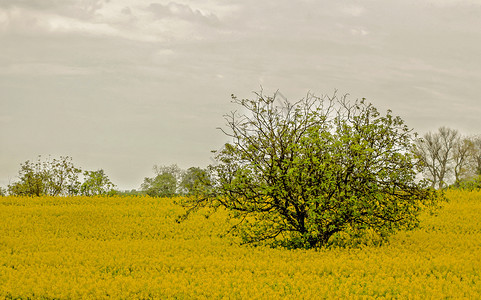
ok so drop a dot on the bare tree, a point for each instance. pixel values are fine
(463, 154)
(476, 155)
(435, 150)
(427, 149)
(449, 139)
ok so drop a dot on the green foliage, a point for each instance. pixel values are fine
(62, 177)
(296, 174)
(56, 177)
(471, 184)
(171, 180)
(132, 192)
(32, 180)
(96, 183)
(195, 181)
(164, 184)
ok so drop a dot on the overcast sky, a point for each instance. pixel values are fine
(125, 84)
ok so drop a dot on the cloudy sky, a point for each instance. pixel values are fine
(125, 84)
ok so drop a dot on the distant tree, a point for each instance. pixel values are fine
(3, 192)
(132, 192)
(33, 180)
(173, 169)
(463, 157)
(62, 177)
(164, 184)
(194, 181)
(436, 150)
(96, 183)
(297, 174)
(470, 184)
(467, 163)
(57, 177)
(449, 157)
(476, 156)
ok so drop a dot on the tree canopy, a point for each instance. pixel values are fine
(295, 174)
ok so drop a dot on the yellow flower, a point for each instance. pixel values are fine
(132, 248)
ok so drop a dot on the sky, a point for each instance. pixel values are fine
(123, 85)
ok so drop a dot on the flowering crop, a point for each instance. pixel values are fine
(132, 248)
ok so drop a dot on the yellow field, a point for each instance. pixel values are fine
(131, 248)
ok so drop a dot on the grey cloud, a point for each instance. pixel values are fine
(44, 69)
(45, 4)
(126, 11)
(182, 11)
(72, 8)
(54, 4)
(132, 102)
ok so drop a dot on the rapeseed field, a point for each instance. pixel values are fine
(132, 248)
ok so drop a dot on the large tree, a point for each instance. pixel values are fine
(296, 174)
